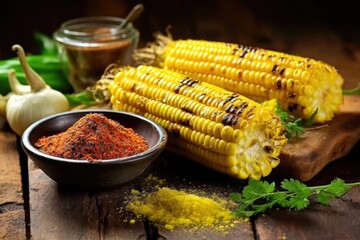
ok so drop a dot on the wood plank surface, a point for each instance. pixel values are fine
(57, 212)
(341, 221)
(12, 215)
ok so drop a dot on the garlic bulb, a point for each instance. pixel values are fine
(29, 103)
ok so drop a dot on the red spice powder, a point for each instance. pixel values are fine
(93, 137)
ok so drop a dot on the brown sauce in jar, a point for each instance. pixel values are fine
(87, 64)
(87, 46)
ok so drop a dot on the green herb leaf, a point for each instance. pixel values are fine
(338, 187)
(257, 188)
(298, 202)
(259, 196)
(323, 197)
(299, 199)
(310, 121)
(354, 91)
(256, 198)
(294, 126)
(236, 197)
(244, 213)
(295, 186)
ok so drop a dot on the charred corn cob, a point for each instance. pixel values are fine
(301, 85)
(215, 127)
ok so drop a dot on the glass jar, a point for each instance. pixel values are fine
(88, 45)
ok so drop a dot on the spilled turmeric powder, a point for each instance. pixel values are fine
(170, 208)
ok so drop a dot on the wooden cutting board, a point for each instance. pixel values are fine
(304, 157)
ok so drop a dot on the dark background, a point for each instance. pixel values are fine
(317, 26)
(257, 21)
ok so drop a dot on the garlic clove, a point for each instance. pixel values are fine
(35, 81)
(15, 85)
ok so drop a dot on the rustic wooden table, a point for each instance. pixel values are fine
(52, 212)
(31, 204)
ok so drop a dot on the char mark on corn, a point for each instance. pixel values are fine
(259, 74)
(208, 124)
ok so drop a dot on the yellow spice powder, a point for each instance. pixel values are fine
(171, 208)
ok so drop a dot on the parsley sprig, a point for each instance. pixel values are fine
(294, 126)
(259, 196)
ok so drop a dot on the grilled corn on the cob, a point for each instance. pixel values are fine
(215, 127)
(301, 85)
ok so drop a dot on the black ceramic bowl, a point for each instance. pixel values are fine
(99, 174)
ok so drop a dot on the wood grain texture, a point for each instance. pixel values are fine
(97, 215)
(304, 157)
(58, 213)
(340, 221)
(12, 215)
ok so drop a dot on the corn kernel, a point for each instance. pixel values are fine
(212, 132)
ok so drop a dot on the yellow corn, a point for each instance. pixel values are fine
(215, 127)
(301, 85)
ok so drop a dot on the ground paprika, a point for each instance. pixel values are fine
(93, 137)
